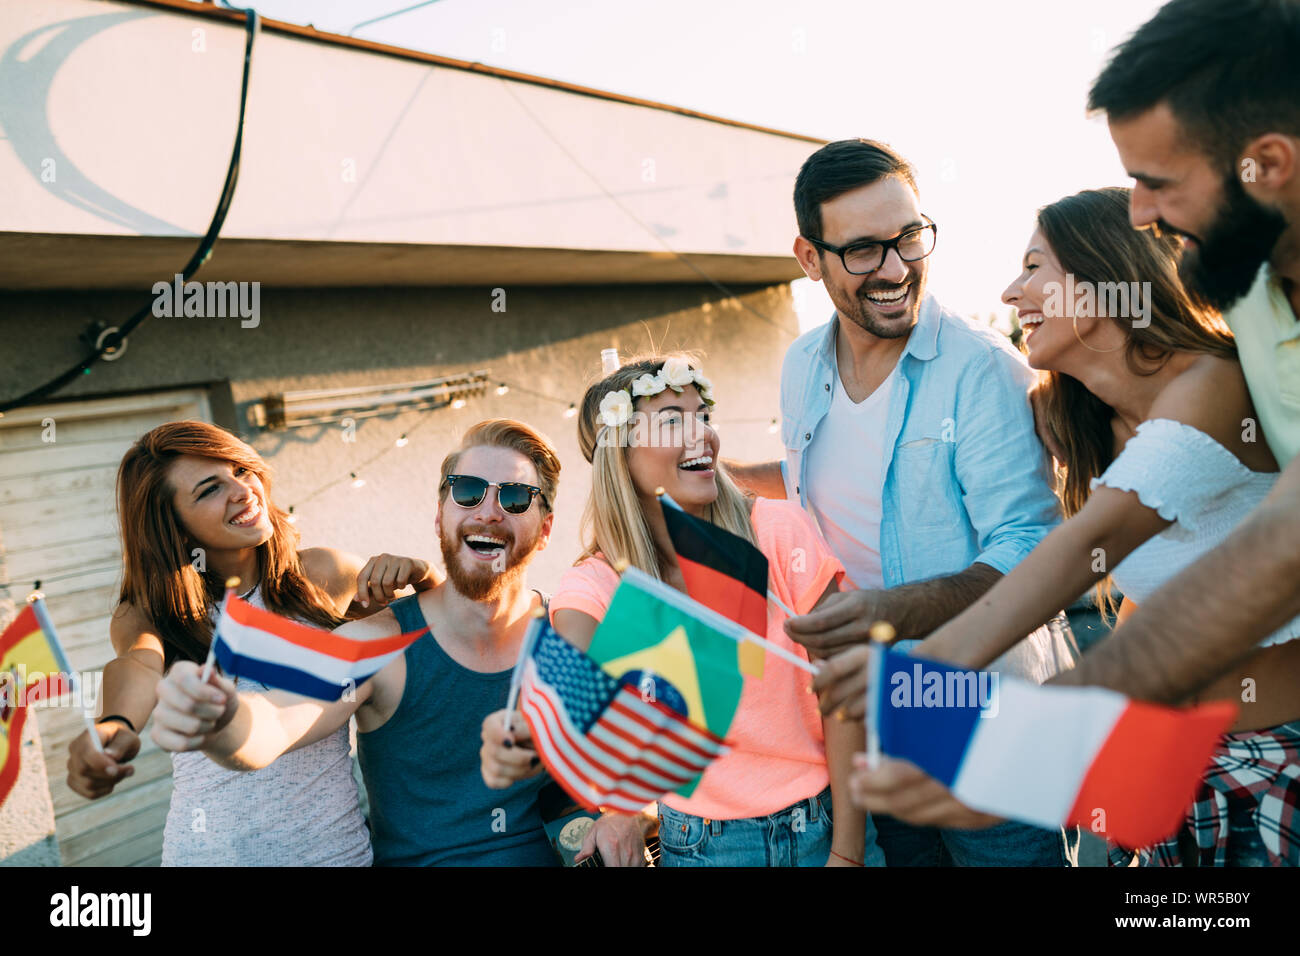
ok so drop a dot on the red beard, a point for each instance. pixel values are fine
(481, 581)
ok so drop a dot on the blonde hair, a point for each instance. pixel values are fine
(613, 523)
(508, 433)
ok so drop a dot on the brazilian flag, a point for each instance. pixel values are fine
(674, 650)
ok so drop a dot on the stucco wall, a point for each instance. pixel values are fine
(118, 119)
(548, 340)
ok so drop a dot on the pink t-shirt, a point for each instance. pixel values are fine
(778, 756)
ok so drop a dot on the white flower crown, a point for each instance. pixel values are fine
(676, 373)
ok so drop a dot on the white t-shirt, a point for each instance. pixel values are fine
(845, 480)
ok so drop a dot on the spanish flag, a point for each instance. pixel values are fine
(723, 572)
(677, 653)
(32, 666)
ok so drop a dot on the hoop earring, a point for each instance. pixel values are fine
(1074, 324)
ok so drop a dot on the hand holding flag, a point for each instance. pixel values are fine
(255, 643)
(647, 712)
(32, 667)
(1048, 756)
(191, 707)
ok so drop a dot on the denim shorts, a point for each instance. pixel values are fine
(1007, 844)
(799, 835)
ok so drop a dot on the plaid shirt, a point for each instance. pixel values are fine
(1254, 772)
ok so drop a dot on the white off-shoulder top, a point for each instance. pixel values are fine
(1188, 478)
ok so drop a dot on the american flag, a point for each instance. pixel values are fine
(599, 738)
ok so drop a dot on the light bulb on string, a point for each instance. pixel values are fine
(774, 427)
(502, 388)
(292, 518)
(458, 403)
(571, 410)
(356, 482)
(402, 440)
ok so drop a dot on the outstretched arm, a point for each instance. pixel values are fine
(1215, 612)
(241, 731)
(1074, 556)
(128, 692)
(248, 731)
(762, 478)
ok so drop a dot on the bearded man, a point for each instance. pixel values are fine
(418, 719)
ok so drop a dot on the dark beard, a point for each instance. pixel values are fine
(1225, 262)
(864, 318)
(483, 583)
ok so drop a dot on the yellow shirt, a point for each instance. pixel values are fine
(1268, 344)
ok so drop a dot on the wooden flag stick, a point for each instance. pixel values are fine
(771, 596)
(882, 633)
(517, 678)
(231, 584)
(782, 653)
(37, 600)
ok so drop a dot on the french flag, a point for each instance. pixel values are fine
(1049, 756)
(254, 643)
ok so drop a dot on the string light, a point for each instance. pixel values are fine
(502, 388)
(774, 427)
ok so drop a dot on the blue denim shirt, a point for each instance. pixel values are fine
(966, 478)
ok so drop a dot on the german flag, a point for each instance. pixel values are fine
(724, 572)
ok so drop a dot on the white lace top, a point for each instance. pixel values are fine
(302, 810)
(1190, 479)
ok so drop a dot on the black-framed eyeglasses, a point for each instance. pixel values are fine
(514, 497)
(861, 258)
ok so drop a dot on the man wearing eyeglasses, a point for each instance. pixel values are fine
(419, 718)
(909, 437)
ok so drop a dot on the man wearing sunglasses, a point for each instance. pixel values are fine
(419, 718)
(909, 437)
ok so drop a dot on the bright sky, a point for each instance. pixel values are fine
(986, 99)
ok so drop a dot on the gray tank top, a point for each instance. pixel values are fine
(428, 803)
(302, 810)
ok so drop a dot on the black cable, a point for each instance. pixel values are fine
(252, 24)
(386, 16)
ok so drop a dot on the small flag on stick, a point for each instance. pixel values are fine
(1048, 756)
(256, 644)
(604, 739)
(723, 572)
(32, 667)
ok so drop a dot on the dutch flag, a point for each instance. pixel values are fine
(275, 651)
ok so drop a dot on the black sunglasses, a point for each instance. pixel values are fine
(514, 497)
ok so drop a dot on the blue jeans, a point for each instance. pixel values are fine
(1007, 844)
(1245, 846)
(799, 835)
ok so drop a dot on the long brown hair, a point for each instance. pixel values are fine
(1093, 240)
(159, 577)
(613, 523)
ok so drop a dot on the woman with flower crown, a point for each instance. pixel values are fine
(768, 802)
